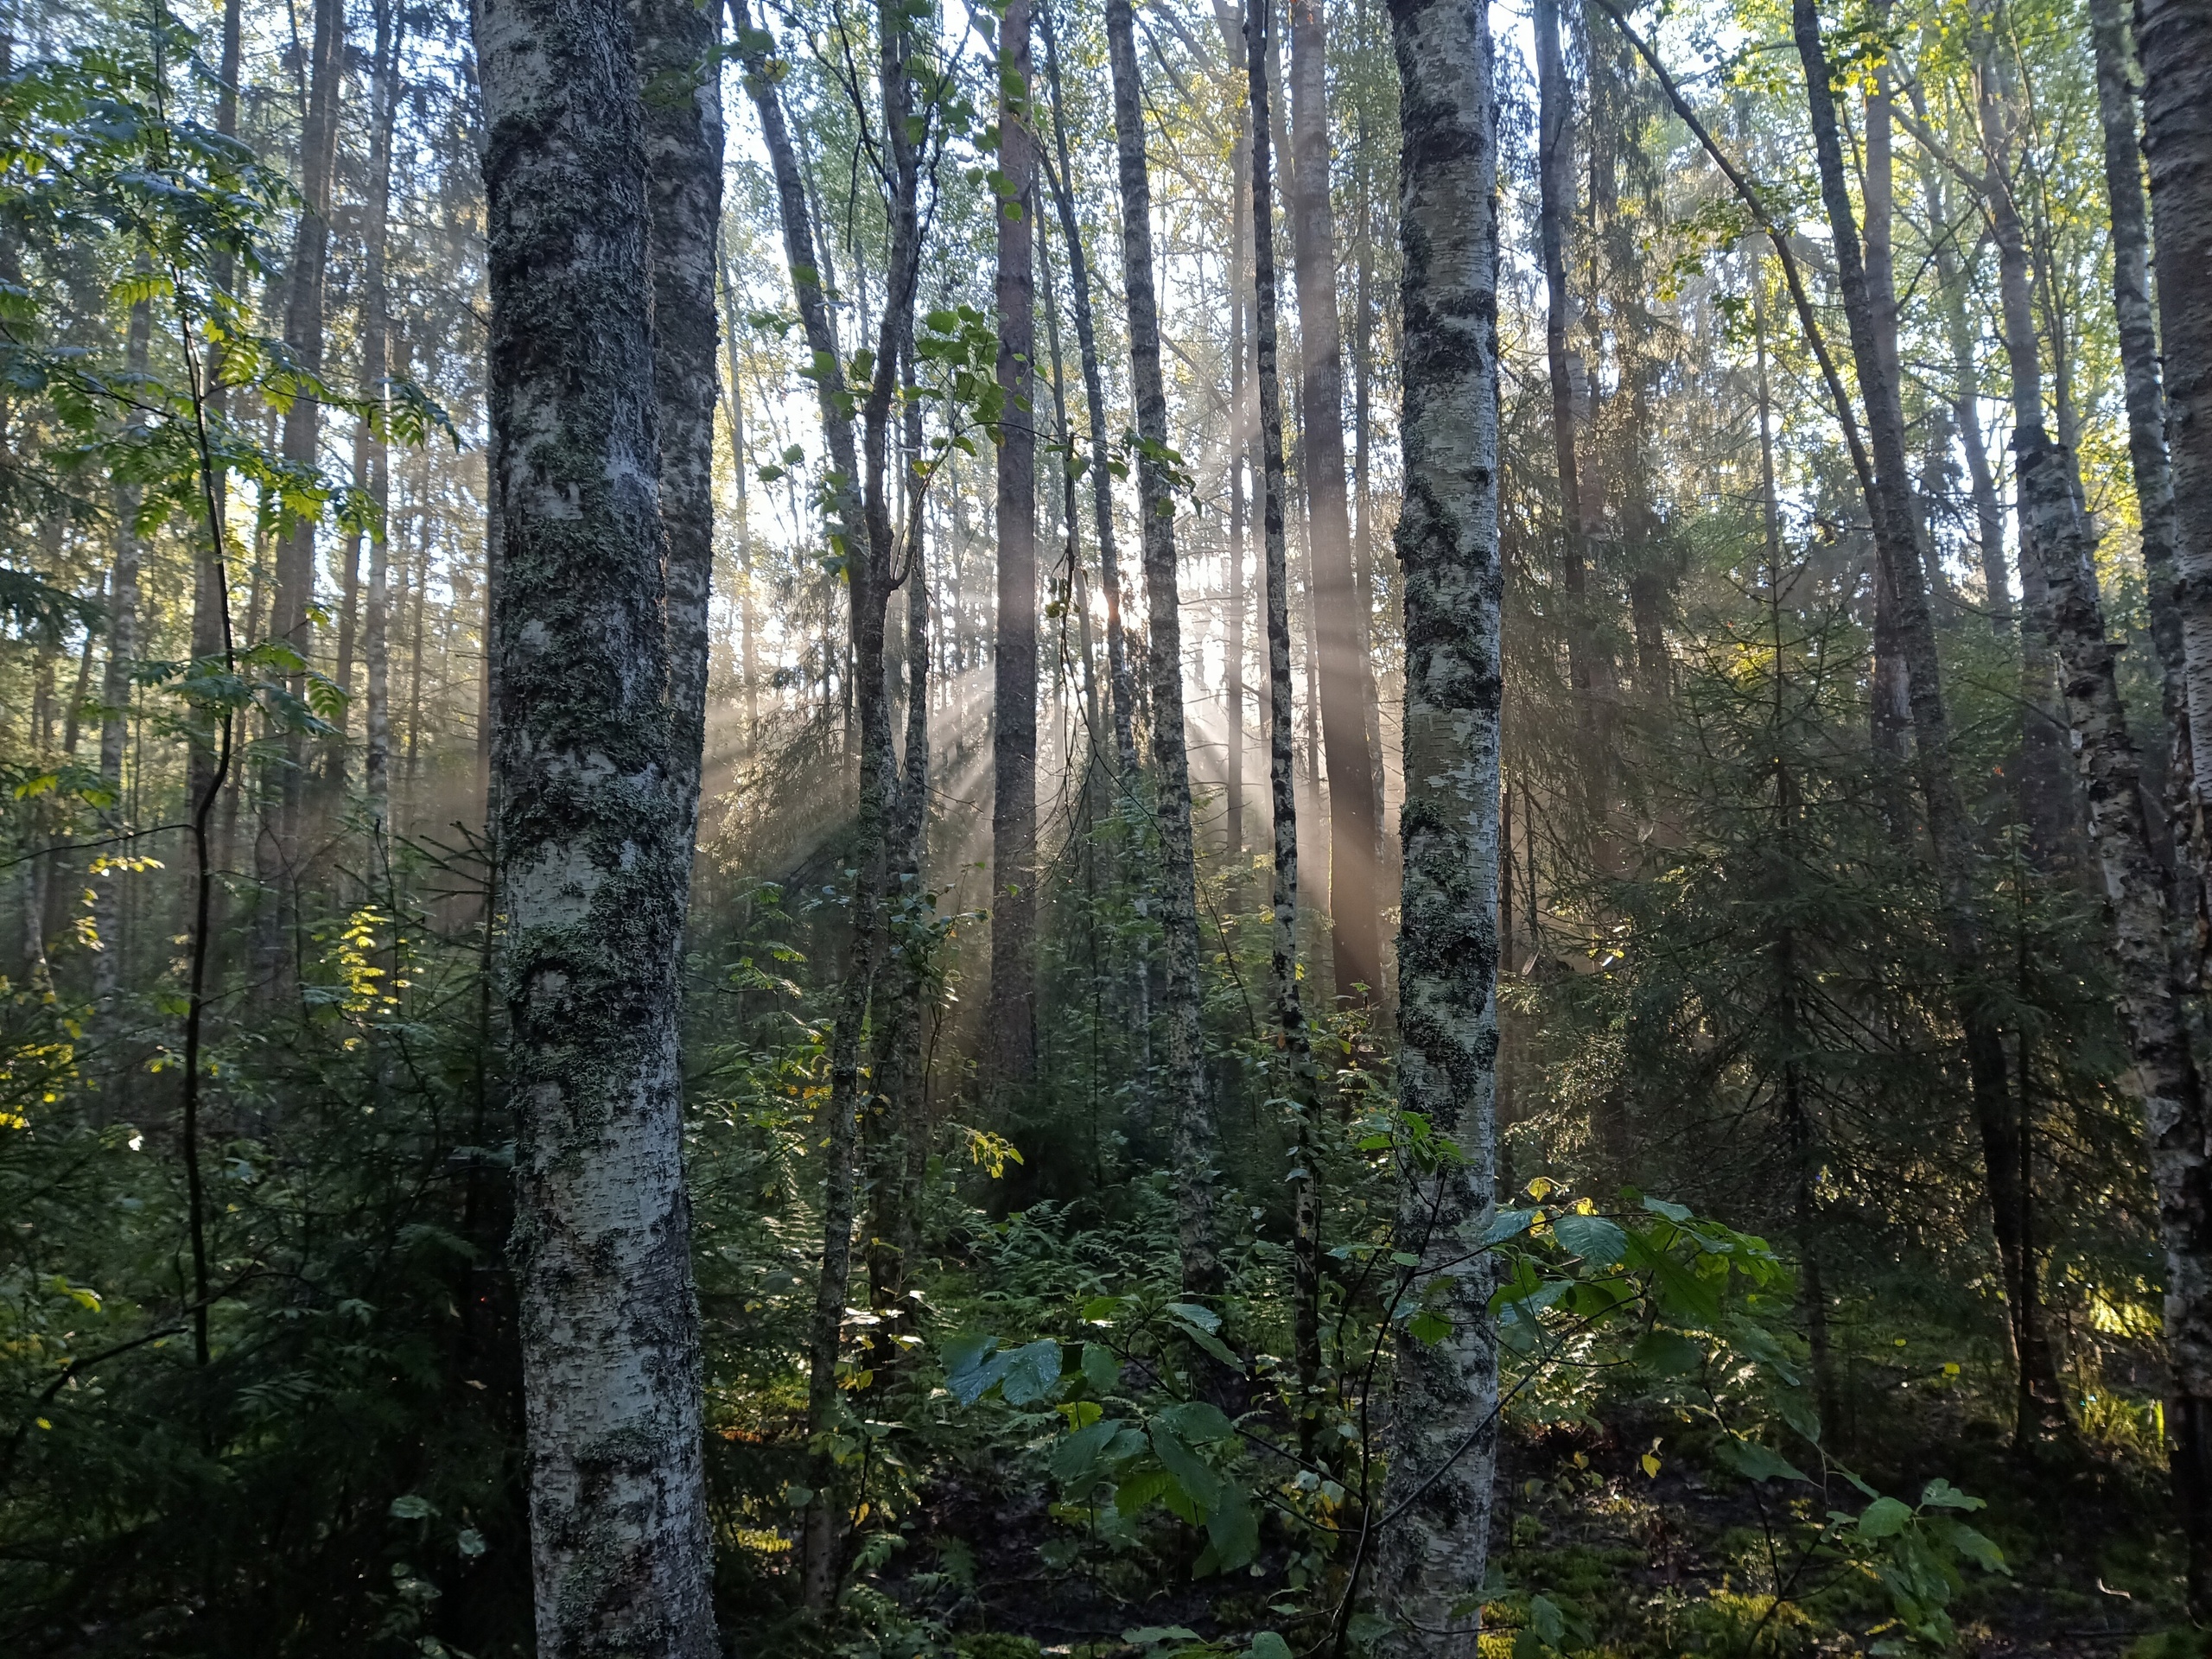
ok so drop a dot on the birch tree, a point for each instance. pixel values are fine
(1444, 1444)
(594, 815)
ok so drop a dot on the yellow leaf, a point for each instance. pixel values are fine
(1650, 1466)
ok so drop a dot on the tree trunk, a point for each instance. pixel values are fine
(1195, 1143)
(116, 688)
(1355, 815)
(1012, 1016)
(2146, 430)
(1886, 481)
(1892, 715)
(592, 835)
(677, 45)
(290, 622)
(376, 373)
(1283, 937)
(1118, 673)
(1444, 1410)
(2176, 46)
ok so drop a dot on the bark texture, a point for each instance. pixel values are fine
(1355, 811)
(2146, 428)
(1444, 1416)
(679, 86)
(1012, 1017)
(376, 371)
(593, 828)
(1195, 1142)
(2175, 41)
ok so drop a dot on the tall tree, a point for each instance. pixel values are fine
(1195, 1142)
(376, 373)
(1444, 1416)
(277, 860)
(1590, 677)
(1355, 812)
(1283, 779)
(1886, 481)
(1012, 1019)
(2114, 50)
(594, 831)
(1121, 688)
(117, 683)
(2176, 42)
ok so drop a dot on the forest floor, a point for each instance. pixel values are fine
(1681, 1562)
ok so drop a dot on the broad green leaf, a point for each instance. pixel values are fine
(1599, 1241)
(1884, 1518)
(1079, 1454)
(1755, 1461)
(1031, 1373)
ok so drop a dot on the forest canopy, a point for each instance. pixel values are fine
(1325, 828)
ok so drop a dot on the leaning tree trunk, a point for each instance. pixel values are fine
(2147, 427)
(2176, 48)
(1012, 1016)
(1355, 813)
(1283, 937)
(593, 827)
(1445, 1411)
(1195, 1142)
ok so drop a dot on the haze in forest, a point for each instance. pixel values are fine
(1365, 827)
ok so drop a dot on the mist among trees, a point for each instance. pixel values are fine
(1312, 828)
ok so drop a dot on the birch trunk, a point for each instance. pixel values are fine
(1437, 1500)
(676, 49)
(2147, 427)
(1195, 1142)
(2175, 41)
(1012, 1017)
(1355, 813)
(593, 823)
(1282, 935)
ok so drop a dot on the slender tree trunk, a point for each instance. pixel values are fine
(1886, 478)
(2175, 41)
(1282, 933)
(290, 621)
(1965, 396)
(593, 832)
(376, 374)
(1444, 1414)
(2046, 802)
(1119, 676)
(749, 665)
(1590, 679)
(677, 53)
(1195, 1143)
(1012, 1017)
(1892, 715)
(1354, 814)
(116, 688)
(1240, 313)
(2146, 430)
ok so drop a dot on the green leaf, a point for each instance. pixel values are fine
(1100, 1369)
(1599, 1241)
(1267, 1645)
(1940, 1494)
(1078, 1454)
(1428, 1327)
(1507, 1223)
(412, 1508)
(1666, 1353)
(1233, 1528)
(1755, 1461)
(1885, 1517)
(1031, 1373)
(1197, 1481)
(1198, 1420)
(1204, 1317)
